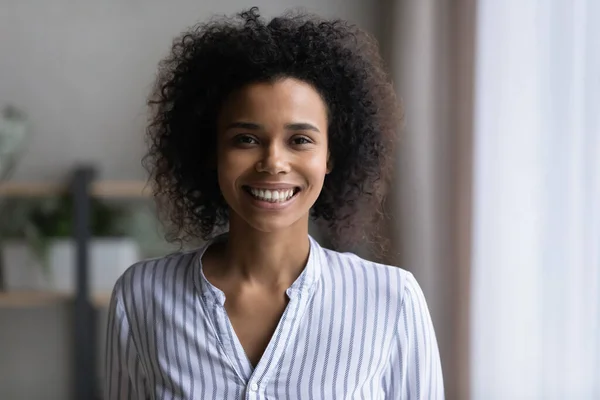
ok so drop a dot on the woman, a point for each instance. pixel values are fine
(258, 127)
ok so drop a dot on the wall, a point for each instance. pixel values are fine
(82, 70)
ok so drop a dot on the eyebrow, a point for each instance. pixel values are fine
(244, 125)
(297, 126)
(301, 126)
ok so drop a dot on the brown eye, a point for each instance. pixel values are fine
(245, 140)
(300, 140)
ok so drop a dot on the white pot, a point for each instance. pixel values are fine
(108, 259)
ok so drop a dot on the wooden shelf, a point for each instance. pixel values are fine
(114, 189)
(32, 299)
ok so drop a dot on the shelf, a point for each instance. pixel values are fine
(32, 299)
(115, 189)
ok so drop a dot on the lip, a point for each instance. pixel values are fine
(265, 205)
(272, 185)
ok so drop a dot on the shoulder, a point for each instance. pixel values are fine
(371, 277)
(145, 279)
(388, 284)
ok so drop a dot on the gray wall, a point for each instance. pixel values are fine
(82, 70)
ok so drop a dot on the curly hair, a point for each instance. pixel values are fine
(210, 61)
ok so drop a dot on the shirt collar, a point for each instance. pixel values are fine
(304, 284)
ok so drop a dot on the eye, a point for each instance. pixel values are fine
(301, 140)
(245, 140)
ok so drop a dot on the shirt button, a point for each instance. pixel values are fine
(254, 387)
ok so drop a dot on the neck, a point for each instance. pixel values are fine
(272, 259)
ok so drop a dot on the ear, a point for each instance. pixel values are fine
(329, 163)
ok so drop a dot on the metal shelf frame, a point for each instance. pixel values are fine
(84, 311)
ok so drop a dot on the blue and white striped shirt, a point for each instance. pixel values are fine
(352, 329)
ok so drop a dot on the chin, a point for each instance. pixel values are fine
(261, 224)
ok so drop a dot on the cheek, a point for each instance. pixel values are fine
(316, 168)
(229, 168)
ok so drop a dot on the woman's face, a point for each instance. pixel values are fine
(272, 153)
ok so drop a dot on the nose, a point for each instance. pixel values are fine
(274, 160)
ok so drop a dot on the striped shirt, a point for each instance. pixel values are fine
(352, 329)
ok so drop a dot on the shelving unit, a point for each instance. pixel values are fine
(129, 189)
(32, 298)
(82, 187)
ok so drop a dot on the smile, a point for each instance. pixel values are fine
(272, 196)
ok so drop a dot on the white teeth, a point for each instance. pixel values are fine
(273, 196)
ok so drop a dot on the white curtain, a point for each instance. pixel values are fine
(535, 316)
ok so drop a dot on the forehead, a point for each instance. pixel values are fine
(282, 101)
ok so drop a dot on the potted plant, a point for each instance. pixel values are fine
(38, 252)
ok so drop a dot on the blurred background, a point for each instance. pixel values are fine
(495, 206)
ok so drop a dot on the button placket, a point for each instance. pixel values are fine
(227, 346)
(289, 321)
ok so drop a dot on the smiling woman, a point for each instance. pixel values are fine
(256, 128)
(211, 64)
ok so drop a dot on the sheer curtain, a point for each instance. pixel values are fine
(535, 316)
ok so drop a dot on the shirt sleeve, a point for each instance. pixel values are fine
(416, 372)
(124, 376)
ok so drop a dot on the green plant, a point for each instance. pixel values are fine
(38, 221)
